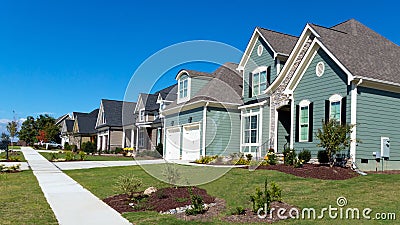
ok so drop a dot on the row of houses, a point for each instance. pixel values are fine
(276, 97)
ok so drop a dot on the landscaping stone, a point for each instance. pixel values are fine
(150, 191)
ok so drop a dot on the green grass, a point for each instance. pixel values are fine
(22, 201)
(17, 155)
(14, 147)
(47, 155)
(378, 192)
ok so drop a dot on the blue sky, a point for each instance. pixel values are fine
(62, 56)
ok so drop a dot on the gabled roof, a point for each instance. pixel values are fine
(69, 125)
(150, 100)
(224, 87)
(361, 50)
(86, 122)
(60, 119)
(128, 113)
(281, 43)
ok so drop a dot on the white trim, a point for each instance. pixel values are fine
(189, 84)
(335, 98)
(303, 71)
(197, 102)
(304, 103)
(260, 49)
(252, 105)
(204, 129)
(276, 130)
(322, 65)
(353, 121)
(260, 127)
(140, 115)
(278, 66)
(269, 126)
(241, 130)
(259, 69)
(291, 144)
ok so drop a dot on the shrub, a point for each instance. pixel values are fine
(241, 161)
(323, 156)
(197, 204)
(305, 155)
(270, 158)
(249, 157)
(88, 147)
(69, 156)
(82, 155)
(67, 147)
(171, 173)
(239, 211)
(264, 198)
(118, 150)
(53, 156)
(289, 156)
(160, 149)
(334, 137)
(128, 184)
(298, 163)
(74, 148)
(206, 159)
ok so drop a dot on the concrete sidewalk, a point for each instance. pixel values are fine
(75, 165)
(70, 202)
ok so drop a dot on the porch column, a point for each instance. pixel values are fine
(123, 138)
(137, 139)
(132, 137)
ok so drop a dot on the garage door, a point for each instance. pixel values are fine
(172, 148)
(191, 142)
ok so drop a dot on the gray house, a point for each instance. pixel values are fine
(84, 128)
(148, 118)
(204, 119)
(109, 125)
(346, 72)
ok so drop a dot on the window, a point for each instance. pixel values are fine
(260, 49)
(141, 115)
(250, 129)
(304, 123)
(103, 118)
(335, 107)
(141, 138)
(259, 82)
(320, 68)
(183, 86)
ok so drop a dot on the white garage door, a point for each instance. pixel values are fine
(191, 142)
(173, 141)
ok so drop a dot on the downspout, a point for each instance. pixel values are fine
(204, 128)
(353, 121)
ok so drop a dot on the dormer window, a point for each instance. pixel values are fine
(103, 118)
(183, 86)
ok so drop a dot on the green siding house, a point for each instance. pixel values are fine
(204, 119)
(346, 72)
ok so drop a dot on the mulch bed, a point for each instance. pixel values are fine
(323, 172)
(162, 200)
(251, 217)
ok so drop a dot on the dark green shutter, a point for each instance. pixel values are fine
(310, 121)
(296, 134)
(343, 111)
(327, 103)
(269, 75)
(250, 85)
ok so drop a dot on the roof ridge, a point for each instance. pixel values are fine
(277, 32)
(328, 28)
(343, 22)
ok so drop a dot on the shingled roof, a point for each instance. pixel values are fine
(150, 100)
(280, 42)
(86, 121)
(361, 50)
(224, 87)
(128, 113)
(69, 125)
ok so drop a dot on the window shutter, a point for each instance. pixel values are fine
(310, 121)
(327, 103)
(269, 75)
(296, 137)
(250, 85)
(343, 111)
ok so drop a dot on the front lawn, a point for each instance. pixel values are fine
(14, 147)
(378, 192)
(48, 156)
(13, 156)
(22, 201)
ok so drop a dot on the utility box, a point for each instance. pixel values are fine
(385, 147)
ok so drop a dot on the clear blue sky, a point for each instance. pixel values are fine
(66, 55)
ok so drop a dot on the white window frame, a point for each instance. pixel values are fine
(334, 99)
(258, 71)
(303, 104)
(322, 65)
(103, 118)
(257, 143)
(142, 115)
(141, 137)
(181, 81)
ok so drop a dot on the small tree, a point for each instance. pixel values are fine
(28, 131)
(5, 137)
(12, 128)
(334, 137)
